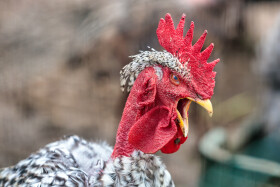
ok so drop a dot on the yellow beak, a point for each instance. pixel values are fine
(183, 119)
(205, 104)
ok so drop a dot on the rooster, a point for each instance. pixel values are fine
(162, 86)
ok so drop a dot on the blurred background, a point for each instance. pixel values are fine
(59, 75)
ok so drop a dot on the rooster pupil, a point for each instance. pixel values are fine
(175, 79)
(177, 141)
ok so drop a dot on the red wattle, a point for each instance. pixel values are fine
(153, 130)
(174, 144)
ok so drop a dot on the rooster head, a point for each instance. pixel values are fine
(162, 86)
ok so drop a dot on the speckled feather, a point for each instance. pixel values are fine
(145, 59)
(73, 161)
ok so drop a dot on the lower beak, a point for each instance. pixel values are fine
(183, 118)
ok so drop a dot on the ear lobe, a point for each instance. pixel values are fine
(153, 130)
(147, 88)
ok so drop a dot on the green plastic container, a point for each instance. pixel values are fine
(255, 164)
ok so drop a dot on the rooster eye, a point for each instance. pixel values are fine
(175, 79)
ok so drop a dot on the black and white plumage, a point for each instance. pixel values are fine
(73, 161)
(144, 59)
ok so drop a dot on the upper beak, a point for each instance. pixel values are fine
(205, 104)
(183, 118)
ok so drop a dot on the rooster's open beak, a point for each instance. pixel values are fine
(183, 108)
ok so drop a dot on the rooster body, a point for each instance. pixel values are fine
(162, 86)
(73, 161)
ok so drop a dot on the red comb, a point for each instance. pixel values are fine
(173, 41)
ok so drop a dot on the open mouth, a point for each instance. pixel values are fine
(182, 109)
